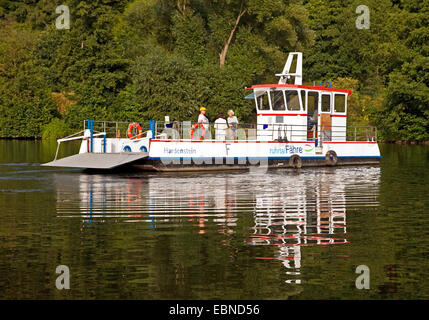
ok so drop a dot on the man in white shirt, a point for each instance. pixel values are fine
(220, 127)
(202, 119)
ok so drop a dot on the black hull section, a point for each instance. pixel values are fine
(245, 164)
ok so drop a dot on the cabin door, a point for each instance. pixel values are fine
(325, 117)
(339, 117)
(312, 114)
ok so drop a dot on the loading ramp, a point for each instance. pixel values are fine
(97, 160)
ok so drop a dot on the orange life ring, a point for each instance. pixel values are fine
(130, 131)
(203, 130)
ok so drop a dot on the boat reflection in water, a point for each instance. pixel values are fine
(281, 209)
(301, 214)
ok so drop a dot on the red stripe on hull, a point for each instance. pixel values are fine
(351, 142)
(229, 141)
(255, 141)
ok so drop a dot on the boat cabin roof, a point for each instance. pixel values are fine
(274, 86)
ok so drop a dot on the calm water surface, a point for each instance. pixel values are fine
(282, 234)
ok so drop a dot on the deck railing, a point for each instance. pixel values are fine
(246, 131)
(114, 129)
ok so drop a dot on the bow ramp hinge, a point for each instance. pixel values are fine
(292, 68)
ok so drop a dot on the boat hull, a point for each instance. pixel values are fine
(217, 164)
(209, 155)
(186, 155)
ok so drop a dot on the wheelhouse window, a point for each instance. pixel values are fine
(313, 101)
(326, 103)
(262, 101)
(303, 100)
(277, 99)
(340, 103)
(292, 100)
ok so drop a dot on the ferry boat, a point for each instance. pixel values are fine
(296, 126)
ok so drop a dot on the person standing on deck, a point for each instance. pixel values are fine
(312, 120)
(220, 127)
(232, 125)
(202, 119)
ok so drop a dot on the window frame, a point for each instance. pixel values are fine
(299, 100)
(262, 92)
(303, 103)
(330, 102)
(318, 100)
(345, 103)
(284, 100)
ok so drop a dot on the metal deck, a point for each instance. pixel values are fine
(97, 160)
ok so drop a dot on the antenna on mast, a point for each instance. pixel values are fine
(286, 74)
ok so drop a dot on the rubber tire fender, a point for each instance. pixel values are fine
(295, 161)
(331, 158)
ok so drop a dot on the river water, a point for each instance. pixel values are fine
(281, 234)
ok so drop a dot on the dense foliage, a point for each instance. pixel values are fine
(143, 59)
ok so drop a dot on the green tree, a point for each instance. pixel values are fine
(25, 102)
(167, 84)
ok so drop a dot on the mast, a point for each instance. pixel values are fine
(287, 74)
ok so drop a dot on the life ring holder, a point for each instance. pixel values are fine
(87, 144)
(143, 149)
(295, 161)
(331, 158)
(130, 131)
(195, 126)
